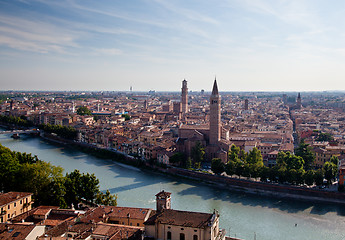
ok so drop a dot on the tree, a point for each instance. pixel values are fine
(62, 131)
(304, 151)
(217, 166)
(230, 168)
(198, 152)
(177, 158)
(335, 160)
(255, 161)
(319, 177)
(324, 137)
(246, 170)
(255, 157)
(9, 167)
(300, 176)
(81, 186)
(188, 163)
(330, 171)
(309, 177)
(106, 199)
(239, 168)
(55, 193)
(83, 111)
(289, 161)
(72, 186)
(291, 176)
(264, 173)
(233, 153)
(126, 116)
(90, 187)
(294, 162)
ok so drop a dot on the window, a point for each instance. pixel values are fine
(195, 237)
(182, 237)
(9, 206)
(168, 235)
(15, 204)
(21, 201)
(138, 224)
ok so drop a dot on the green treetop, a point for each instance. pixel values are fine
(83, 111)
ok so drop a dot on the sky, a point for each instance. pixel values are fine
(110, 45)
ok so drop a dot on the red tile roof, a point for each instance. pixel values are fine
(181, 218)
(15, 231)
(6, 198)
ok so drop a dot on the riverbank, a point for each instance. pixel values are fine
(222, 182)
(241, 214)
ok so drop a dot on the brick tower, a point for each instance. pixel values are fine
(299, 101)
(163, 201)
(215, 123)
(184, 96)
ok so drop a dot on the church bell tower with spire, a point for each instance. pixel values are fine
(215, 121)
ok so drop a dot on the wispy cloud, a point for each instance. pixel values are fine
(298, 13)
(35, 36)
(186, 13)
(108, 51)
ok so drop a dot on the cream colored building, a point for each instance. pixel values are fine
(13, 204)
(169, 224)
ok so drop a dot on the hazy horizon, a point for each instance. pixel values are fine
(249, 45)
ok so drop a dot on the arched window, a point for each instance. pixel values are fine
(195, 237)
(169, 236)
(182, 236)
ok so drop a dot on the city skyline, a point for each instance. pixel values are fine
(154, 45)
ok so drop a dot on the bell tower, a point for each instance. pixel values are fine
(215, 123)
(163, 201)
(299, 101)
(184, 96)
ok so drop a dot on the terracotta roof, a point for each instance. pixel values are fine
(6, 198)
(117, 232)
(124, 212)
(41, 211)
(15, 231)
(59, 229)
(163, 194)
(27, 216)
(197, 127)
(181, 218)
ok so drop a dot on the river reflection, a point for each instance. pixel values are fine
(243, 215)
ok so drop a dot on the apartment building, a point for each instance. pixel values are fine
(14, 203)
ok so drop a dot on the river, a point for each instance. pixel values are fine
(242, 215)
